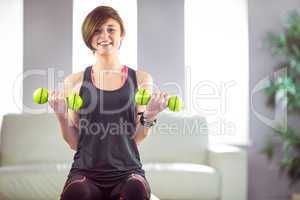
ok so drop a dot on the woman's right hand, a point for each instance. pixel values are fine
(58, 102)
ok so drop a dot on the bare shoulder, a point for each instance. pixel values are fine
(74, 78)
(73, 82)
(144, 79)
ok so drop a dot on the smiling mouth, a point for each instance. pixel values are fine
(104, 43)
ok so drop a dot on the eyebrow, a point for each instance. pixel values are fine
(110, 25)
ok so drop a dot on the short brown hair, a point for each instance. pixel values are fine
(95, 19)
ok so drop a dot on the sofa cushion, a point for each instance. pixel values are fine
(29, 139)
(177, 137)
(35, 182)
(167, 181)
(183, 181)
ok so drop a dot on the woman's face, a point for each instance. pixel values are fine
(107, 38)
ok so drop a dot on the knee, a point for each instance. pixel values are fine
(136, 187)
(76, 189)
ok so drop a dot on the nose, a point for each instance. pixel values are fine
(104, 34)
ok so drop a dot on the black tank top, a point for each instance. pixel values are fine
(106, 151)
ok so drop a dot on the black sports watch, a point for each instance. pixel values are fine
(145, 122)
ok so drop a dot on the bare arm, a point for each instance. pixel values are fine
(157, 103)
(68, 119)
(141, 133)
(144, 81)
(69, 132)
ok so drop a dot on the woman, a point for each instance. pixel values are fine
(106, 163)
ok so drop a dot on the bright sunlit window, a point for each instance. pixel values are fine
(82, 56)
(11, 51)
(216, 34)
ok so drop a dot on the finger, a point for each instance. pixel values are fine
(161, 100)
(55, 96)
(61, 95)
(62, 102)
(163, 96)
(58, 94)
(155, 96)
(51, 94)
(167, 98)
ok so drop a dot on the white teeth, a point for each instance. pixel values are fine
(105, 43)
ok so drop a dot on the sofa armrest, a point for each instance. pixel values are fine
(33, 181)
(231, 163)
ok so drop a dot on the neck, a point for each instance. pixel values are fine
(110, 62)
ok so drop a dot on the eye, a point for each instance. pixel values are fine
(110, 30)
(98, 30)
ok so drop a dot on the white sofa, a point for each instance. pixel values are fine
(179, 163)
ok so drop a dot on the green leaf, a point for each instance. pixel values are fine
(269, 149)
(281, 95)
(282, 42)
(285, 84)
(286, 147)
(297, 100)
(285, 163)
(292, 23)
(296, 50)
(270, 88)
(294, 63)
(277, 43)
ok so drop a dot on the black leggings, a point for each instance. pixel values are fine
(79, 187)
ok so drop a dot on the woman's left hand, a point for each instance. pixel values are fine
(157, 103)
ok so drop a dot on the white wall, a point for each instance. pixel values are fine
(47, 45)
(161, 43)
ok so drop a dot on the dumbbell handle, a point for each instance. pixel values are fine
(143, 97)
(74, 101)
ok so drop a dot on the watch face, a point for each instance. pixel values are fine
(146, 123)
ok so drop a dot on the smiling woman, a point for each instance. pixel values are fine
(107, 163)
(110, 24)
(82, 56)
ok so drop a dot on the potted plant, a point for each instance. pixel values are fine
(286, 47)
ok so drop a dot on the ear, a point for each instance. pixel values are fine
(121, 39)
(122, 36)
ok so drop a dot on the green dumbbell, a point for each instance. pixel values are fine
(142, 97)
(74, 101)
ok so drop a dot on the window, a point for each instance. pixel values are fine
(11, 51)
(216, 34)
(82, 56)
